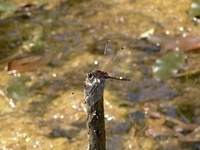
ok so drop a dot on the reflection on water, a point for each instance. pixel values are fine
(49, 117)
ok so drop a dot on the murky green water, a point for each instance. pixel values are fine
(46, 116)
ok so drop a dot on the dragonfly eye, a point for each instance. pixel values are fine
(90, 75)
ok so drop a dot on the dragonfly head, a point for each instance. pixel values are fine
(94, 86)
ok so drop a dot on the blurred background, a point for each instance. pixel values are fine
(47, 47)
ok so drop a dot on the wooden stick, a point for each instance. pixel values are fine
(93, 94)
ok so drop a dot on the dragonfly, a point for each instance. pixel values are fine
(96, 80)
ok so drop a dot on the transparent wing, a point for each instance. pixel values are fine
(108, 55)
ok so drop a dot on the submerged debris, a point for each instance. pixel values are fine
(162, 125)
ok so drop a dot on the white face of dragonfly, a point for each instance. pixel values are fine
(95, 82)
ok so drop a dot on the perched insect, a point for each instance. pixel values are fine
(95, 82)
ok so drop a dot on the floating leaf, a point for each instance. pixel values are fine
(169, 64)
(34, 45)
(195, 9)
(17, 88)
(29, 63)
(171, 42)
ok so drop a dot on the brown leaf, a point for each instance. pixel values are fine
(28, 63)
(166, 42)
